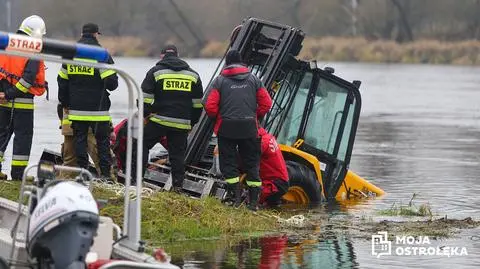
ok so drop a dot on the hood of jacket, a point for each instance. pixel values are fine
(236, 71)
(173, 63)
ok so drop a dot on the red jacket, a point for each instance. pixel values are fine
(272, 164)
(241, 90)
(120, 142)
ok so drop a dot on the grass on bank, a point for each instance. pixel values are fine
(169, 217)
(411, 209)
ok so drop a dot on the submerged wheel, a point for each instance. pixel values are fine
(304, 186)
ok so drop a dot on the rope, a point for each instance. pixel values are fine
(296, 221)
(119, 189)
(293, 221)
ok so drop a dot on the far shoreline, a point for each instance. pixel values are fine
(329, 49)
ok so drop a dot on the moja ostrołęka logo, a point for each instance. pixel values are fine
(411, 246)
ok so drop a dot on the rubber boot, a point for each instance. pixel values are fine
(235, 192)
(254, 195)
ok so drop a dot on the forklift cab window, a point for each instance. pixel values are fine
(289, 129)
(324, 119)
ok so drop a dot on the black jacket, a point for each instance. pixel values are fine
(173, 93)
(236, 101)
(84, 88)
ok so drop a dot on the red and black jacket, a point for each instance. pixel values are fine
(272, 164)
(237, 99)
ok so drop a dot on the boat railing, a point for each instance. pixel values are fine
(57, 51)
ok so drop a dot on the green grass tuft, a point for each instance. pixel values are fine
(424, 210)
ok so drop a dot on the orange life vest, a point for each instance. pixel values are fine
(11, 69)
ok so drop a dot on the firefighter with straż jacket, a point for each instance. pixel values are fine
(82, 91)
(20, 80)
(237, 99)
(172, 94)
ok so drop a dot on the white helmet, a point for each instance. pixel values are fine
(33, 26)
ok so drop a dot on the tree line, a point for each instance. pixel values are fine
(192, 23)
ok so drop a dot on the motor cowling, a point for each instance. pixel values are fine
(63, 225)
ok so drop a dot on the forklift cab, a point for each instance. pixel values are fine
(316, 113)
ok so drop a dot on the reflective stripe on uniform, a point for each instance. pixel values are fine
(85, 60)
(26, 29)
(63, 73)
(232, 180)
(19, 163)
(78, 115)
(66, 122)
(254, 183)
(106, 73)
(148, 98)
(21, 103)
(24, 100)
(20, 160)
(23, 85)
(171, 74)
(197, 103)
(81, 69)
(172, 122)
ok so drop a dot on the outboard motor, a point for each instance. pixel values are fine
(62, 226)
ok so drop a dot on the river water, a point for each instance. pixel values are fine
(419, 133)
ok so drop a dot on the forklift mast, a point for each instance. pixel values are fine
(265, 46)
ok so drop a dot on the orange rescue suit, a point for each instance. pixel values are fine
(11, 69)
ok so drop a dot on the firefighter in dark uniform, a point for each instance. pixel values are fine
(82, 91)
(20, 80)
(172, 94)
(237, 99)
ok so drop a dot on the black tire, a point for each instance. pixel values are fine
(303, 176)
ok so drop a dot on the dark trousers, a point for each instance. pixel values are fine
(249, 151)
(101, 130)
(21, 124)
(282, 188)
(177, 146)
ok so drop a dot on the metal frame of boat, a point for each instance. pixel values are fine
(129, 245)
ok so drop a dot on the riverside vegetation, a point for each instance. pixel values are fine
(169, 218)
(332, 49)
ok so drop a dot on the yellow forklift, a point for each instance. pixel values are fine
(314, 117)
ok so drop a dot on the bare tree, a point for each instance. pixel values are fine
(405, 31)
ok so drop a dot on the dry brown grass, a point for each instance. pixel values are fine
(421, 51)
(379, 51)
(127, 46)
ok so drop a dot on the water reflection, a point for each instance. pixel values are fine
(274, 252)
